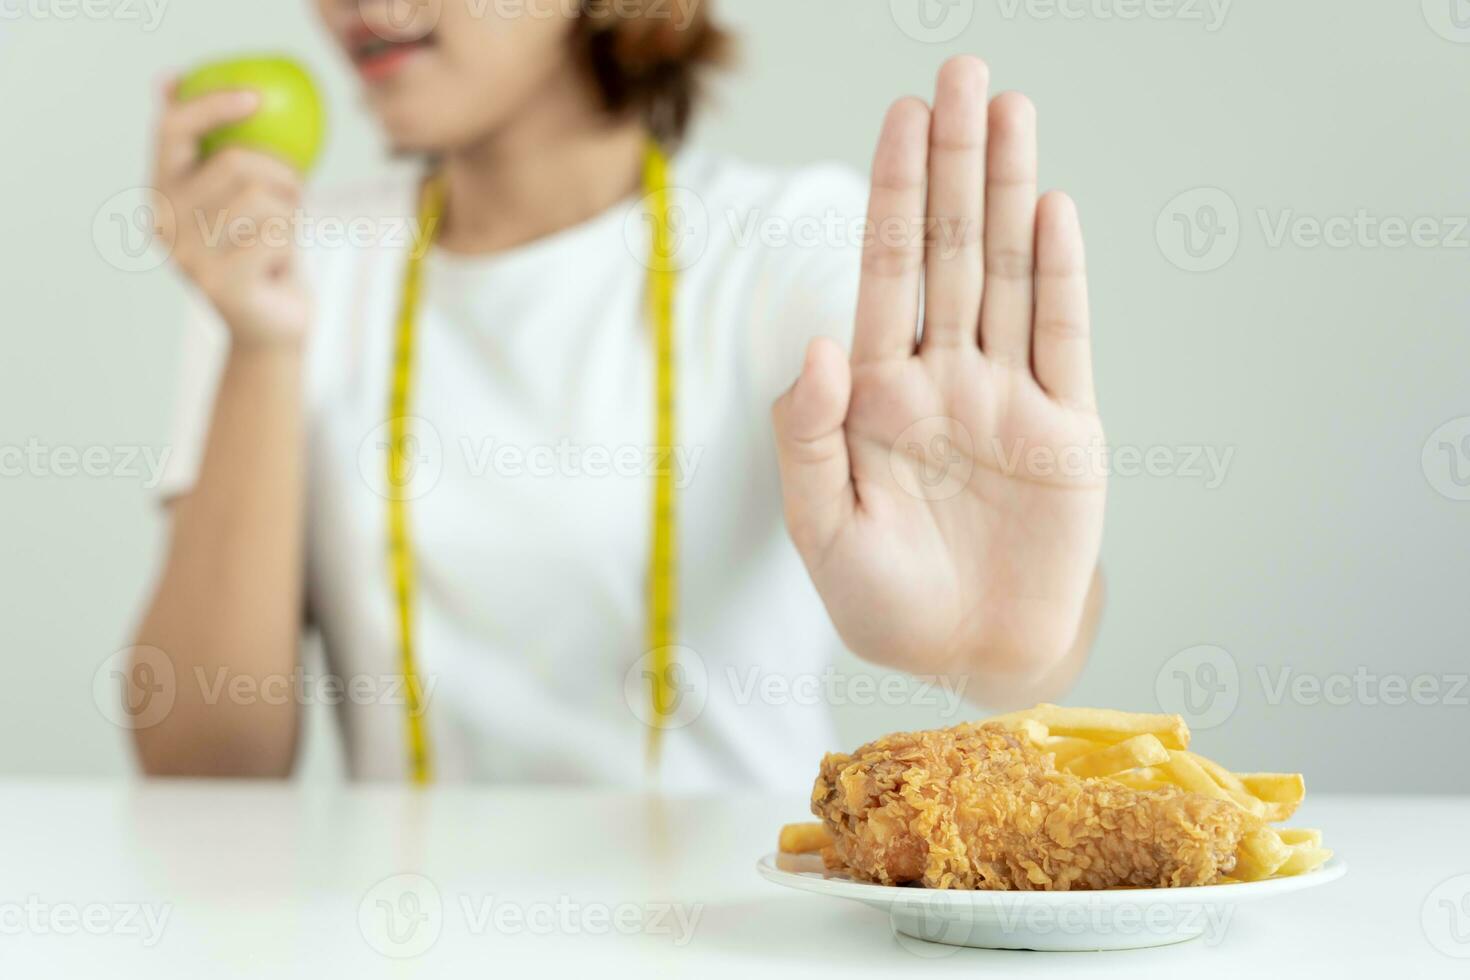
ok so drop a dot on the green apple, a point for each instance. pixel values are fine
(289, 122)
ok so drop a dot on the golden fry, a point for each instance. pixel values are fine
(1184, 772)
(1231, 784)
(803, 838)
(1032, 729)
(1105, 724)
(1141, 750)
(1299, 835)
(801, 863)
(1142, 780)
(1304, 858)
(1066, 748)
(1260, 855)
(1275, 787)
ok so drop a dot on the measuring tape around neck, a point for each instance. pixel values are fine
(662, 585)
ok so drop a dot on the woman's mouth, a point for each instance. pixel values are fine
(377, 58)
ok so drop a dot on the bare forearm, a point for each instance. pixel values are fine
(228, 607)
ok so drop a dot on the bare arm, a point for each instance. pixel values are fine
(228, 604)
(227, 609)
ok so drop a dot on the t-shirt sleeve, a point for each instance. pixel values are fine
(203, 350)
(810, 273)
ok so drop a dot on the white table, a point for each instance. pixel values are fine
(260, 879)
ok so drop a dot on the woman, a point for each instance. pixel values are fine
(532, 604)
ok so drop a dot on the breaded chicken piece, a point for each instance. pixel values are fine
(977, 807)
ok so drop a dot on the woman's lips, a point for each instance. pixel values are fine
(378, 59)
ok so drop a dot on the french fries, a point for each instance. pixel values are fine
(1300, 835)
(1065, 748)
(1145, 778)
(1304, 858)
(1275, 787)
(1104, 724)
(1140, 750)
(803, 838)
(1231, 784)
(801, 863)
(1184, 772)
(1151, 751)
(1260, 855)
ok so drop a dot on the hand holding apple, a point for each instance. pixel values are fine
(289, 121)
(227, 199)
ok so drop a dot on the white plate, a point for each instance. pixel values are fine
(1127, 918)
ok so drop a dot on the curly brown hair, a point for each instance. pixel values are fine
(651, 57)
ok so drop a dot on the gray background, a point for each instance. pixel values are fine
(1335, 546)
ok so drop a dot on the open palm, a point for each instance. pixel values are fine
(945, 486)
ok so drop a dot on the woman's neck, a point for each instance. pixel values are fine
(538, 175)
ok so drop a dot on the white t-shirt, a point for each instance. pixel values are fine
(532, 487)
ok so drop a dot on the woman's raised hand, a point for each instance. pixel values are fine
(944, 484)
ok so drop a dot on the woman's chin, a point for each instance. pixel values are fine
(415, 128)
(408, 133)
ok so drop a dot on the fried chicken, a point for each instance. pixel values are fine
(979, 807)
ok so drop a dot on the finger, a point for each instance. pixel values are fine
(893, 255)
(221, 178)
(811, 448)
(1010, 230)
(1062, 337)
(183, 124)
(956, 213)
(259, 219)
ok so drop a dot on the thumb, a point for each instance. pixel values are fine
(811, 448)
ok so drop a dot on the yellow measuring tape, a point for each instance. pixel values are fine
(662, 597)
